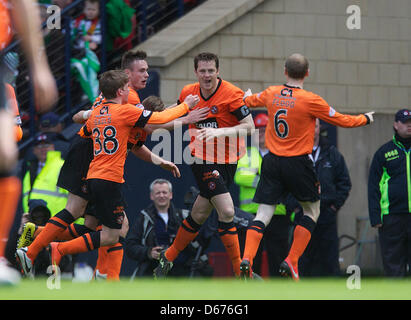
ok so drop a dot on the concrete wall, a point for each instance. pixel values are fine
(354, 70)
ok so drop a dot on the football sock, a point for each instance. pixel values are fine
(185, 234)
(74, 230)
(114, 261)
(37, 231)
(10, 190)
(302, 236)
(84, 243)
(229, 236)
(253, 238)
(56, 225)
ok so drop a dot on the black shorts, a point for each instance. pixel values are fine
(283, 175)
(73, 173)
(213, 179)
(108, 201)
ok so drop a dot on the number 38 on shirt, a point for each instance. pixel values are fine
(105, 140)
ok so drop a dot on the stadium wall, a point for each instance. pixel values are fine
(354, 70)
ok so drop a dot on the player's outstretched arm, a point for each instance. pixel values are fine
(145, 154)
(81, 116)
(194, 116)
(176, 112)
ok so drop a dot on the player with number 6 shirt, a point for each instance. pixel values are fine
(292, 113)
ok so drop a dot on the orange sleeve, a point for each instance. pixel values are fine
(18, 133)
(237, 99)
(319, 108)
(169, 114)
(256, 100)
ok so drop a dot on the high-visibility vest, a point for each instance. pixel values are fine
(247, 177)
(45, 185)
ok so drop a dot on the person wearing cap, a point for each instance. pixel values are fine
(50, 123)
(389, 197)
(248, 172)
(39, 176)
(321, 257)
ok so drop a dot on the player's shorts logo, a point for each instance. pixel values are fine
(84, 188)
(211, 185)
(120, 219)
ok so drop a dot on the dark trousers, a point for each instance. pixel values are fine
(322, 253)
(395, 242)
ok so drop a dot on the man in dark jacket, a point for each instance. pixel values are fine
(389, 197)
(155, 229)
(321, 257)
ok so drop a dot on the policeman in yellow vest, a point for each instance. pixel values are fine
(40, 176)
(276, 236)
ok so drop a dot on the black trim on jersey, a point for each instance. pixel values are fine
(115, 248)
(220, 81)
(142, 121)
(86, 132)
(241, 113)
(286, 85)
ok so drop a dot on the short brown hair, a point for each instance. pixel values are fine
(130, 56)
(206, 56)
(153, 103)
(296, 66)
(112, 80)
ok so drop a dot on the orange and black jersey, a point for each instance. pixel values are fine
(137, 135)
(110, 125)
(292, 113)
(227, 108)
(6, 32)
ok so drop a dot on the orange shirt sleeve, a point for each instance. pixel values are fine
(256, 100)
(237, 99)
(319, 108)
(163, 116)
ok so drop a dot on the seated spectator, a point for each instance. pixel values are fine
(155, 229)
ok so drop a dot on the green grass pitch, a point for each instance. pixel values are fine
(211, 289)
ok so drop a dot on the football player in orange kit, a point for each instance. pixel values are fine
(109, 124)
(216, 147)
(26, 21)
(292, 113)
